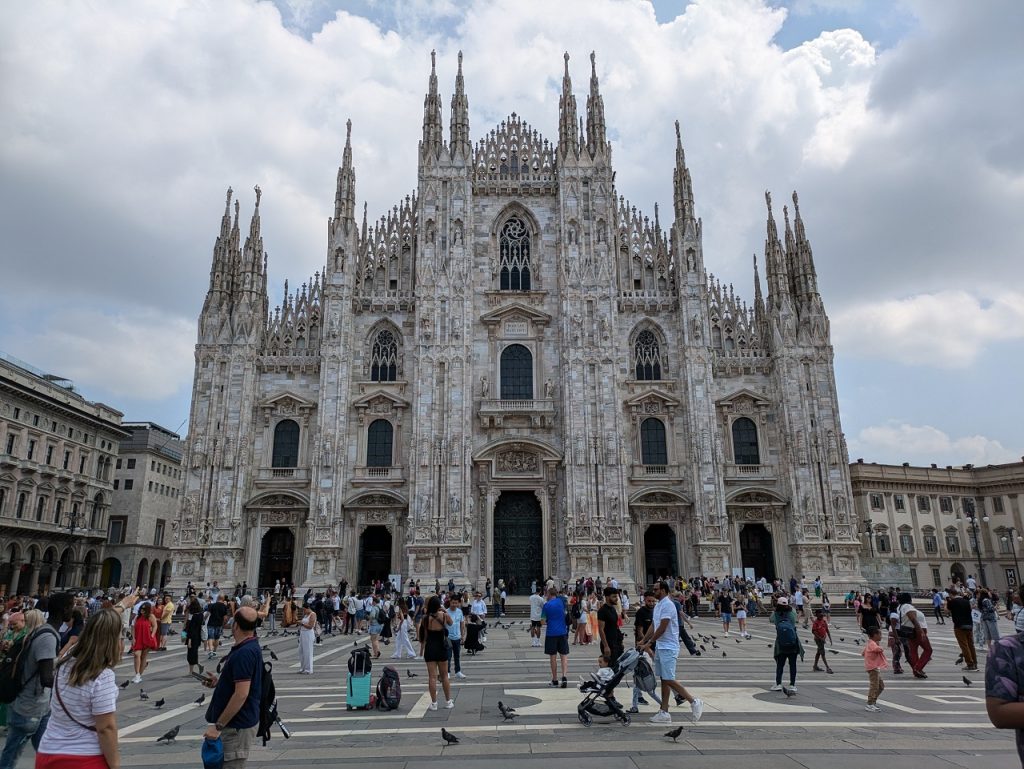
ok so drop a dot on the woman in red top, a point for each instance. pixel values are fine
(144, 636)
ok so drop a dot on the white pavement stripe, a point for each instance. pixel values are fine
(159, 718)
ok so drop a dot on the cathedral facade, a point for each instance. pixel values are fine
(513, 373)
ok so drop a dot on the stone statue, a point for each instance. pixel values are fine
(325, 505)
(549, 389)
(197, 454)
(222, 509)
(326, 456)
(457, 237)
(229, 456)
(334, 324)
(485, 387)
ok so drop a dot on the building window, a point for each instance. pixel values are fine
(116, 530)
(936, 577)
(286, 444)
(379, 443)
(924, 504)
(150, 486)
(647, 356)
(11, 443)
(516, 373)
(882, 543)
(117, 484)
(913, 577)
(744, 442)
(81, 466)
(17, 412)
(49, 455)
(876, 502)
(931, 543)
(946, 504)
(131, 464)
(129, 484)
(97, 512)
(20, 510)
(952, 542)
(898, 502)
(972, 540)
(158, 534)
(31, 449)
(58, 511)
(118, 465)
(907, 543)
(3, 500)
(997, 504)
(514, 263)
(384, 357)
(67, 459)
(40, 508)
(653, 447)
(35, 421)
(1004, 543)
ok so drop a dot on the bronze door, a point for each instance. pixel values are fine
(518, 540)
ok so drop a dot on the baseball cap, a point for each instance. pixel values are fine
(783, 601)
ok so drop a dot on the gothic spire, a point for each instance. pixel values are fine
(568, 144)
(775, 261)
(221, 264)
(433, 138)
(791, 270)
(459, 126)
(807, 276)
(596, 140)
(681, 184)
(345, 194)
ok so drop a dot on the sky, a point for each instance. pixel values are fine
(901, 124)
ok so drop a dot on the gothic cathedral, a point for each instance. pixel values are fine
(513, 374)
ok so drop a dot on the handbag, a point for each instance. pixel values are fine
(204, 633)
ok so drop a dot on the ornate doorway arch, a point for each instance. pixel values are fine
(518, 540)
(277, 555)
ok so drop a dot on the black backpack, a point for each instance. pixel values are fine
(12, 665)
(389, 690)
(268, 706)
(360, 662)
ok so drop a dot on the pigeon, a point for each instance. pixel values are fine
(724, 654)
(503, 707)
(788, 692)
(770, 646)
(841, 638)
(126, 684)
(738, 641)
(410, 674)
(714, 636)
(273, 656)
(448, 737)
(508, 714)
(200, 700)
(169, 737)
(143, 695)
(856, 641)
(674, 734)
(703, 648)
(265, 647)
(967, 681)
(832, 651)
(959, 660)
(715, 646)
(159, 703)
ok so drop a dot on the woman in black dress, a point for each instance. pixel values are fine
(194, 634)
(433, 633)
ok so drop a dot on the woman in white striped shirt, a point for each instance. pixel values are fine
(82, 731)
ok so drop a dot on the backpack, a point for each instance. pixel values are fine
(785, 634)
(359, 662)
(643, 676)
(12, 665)
(268, 705)
(389, 690)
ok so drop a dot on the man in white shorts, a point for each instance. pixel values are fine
(663, 638)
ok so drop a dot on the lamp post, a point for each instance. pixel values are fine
(972, 518)
(74, 518)
(1013, 537)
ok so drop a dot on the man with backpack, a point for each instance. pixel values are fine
(787, 642)
(29, 711)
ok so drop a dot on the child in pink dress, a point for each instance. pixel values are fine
(874, 663)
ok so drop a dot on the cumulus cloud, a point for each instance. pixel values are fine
(947, 329)
(924, 444)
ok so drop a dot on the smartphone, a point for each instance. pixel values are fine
(200, 677)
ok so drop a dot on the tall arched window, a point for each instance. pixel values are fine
(286, 444)
(744, 442)
(384, 357)
(516, 373)
(20, 510)
(380, 440)
(40, 508)
(514, 256)
(653, 449)
(96, 519)
(647, 356)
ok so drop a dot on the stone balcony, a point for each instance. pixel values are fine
(377, 476)
(282, 476)
(495, 412)
(748, 473)
(655, 473)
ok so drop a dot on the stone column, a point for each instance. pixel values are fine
(15, 576)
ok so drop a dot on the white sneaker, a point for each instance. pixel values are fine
(661, 717)
(793, 689)
(449, 705)
(872, 708)
(697, 709)
(777, 688)
(460, 674)
(137, 679)
(432, 706)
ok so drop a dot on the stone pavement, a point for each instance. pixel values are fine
(936, 723)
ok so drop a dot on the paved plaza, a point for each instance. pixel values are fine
(935, 723)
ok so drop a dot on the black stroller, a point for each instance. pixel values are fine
(473, 627)
(597, 701)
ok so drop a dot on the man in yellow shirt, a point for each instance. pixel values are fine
(167, 614)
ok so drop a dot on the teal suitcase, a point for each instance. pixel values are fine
(358, 694)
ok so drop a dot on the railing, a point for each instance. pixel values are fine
(655, 472)
(282, 474)
(392, 473)
(745, 472)
(517, 405)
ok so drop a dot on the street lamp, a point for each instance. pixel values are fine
(973, 519)
(1012, 537)
(74, 519)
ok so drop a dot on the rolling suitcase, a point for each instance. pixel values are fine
(357, 696)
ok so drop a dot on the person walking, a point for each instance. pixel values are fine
(28, 715)
(1004, 686)
(787, 643)
(536, 615)
(433, 632)
(166, 616)
(307, 637)
(663, 638)
(937, 606)
(376, 618)
(193, 635)
(896, 641)
(914, 629)
(556, 638)
(608, 629)
(989, 618)
(403, 646)
(874, 664)
(456, 635)
(958, 606)
(144, 640)
(724, 602)
(216, 613)
(642, 621)
(820, 630)
(82, 730)
(740, 611)
(234, 710)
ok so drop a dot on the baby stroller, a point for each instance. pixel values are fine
(473, 627)
(598, 701)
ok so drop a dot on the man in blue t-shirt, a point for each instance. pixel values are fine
(556, 639)
(234, 711)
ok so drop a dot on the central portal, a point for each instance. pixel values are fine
(276, 553)
(518, 541)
